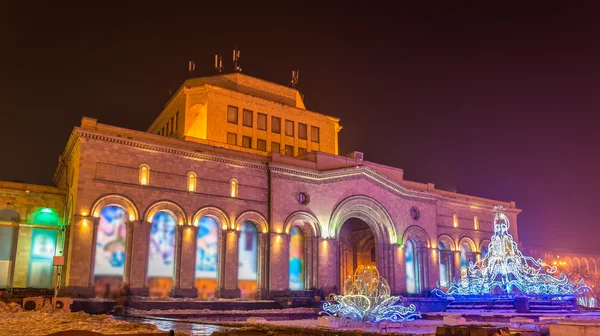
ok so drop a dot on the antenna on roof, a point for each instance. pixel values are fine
(191, 67)
(294, 81)
(219, 63)
(236, 59)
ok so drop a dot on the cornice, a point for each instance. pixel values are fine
(89, 134)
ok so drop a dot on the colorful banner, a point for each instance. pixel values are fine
(296, 259)
(162, 246)
(206, 249)
(248, 252)
(110, 242)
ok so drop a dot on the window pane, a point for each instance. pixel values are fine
(262, 122)
(247, 118)
(232, 114)
(289, 150)
(246, 142)
(276, 125)
(289, 128)
(232, 139)
(261, 145)
(302, 131)
(314, 134)
(275, 147)
(301, 151)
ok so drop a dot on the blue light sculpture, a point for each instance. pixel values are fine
(506, 268)
(367, 299)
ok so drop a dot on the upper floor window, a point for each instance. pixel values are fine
(289, 150)
(314, 134)
(261, 145)
(261, 121)
(232, 114)
(233, 183)
(232, 139)
(276, 125)
(247, 117)
(302, 131)
(455, 220)
(476, 223)
(289, 128)
(175, 121)
(275, 147)
(144, 174)
(246, 142)
(191, 181)
(301, 151)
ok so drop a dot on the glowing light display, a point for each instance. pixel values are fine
(367, 298)
(206, 249)
(110, 242)
(504, 267)
(162, 246)
(296, 259)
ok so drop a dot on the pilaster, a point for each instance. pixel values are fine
(185, 263)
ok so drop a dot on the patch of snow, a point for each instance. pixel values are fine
(256, 312)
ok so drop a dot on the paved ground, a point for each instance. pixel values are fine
(192, 328)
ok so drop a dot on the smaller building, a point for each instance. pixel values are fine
(31, 234)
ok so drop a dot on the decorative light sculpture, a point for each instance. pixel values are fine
(506, 268)
(367, 299)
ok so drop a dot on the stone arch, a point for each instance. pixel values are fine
(213, 212)
(447, 241)
(118, 200)
(585, 265)
(368, 210)
(418, 235)
(255, 217)
(576, 263)
(310, 224)
(593, 266)
(484, 242)
(569, 262)
(169, 207)
(468, 241)
(9, 215)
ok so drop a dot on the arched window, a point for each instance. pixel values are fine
(412, 281)
(109, 262)
(46, 216)
(234, 187)
(455, 220)
(444, 265)
(206, 257)
(144, 174)
(191, 181)
(9, 231)
(466, 255)
(296, 269)
(248, 260)
(476, 223)
(161, 259)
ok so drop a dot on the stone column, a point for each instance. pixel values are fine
(433, 259)
(138, 267)
(457, 264)
(399, 271)
(315, 263)
(81, 255)
(128, 252)
(221, 260)
(230, 268)
(264, 262)
(185, 265)
(329, 274)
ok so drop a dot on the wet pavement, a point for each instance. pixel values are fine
(166, 325)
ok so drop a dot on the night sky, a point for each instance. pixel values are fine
(500, 101)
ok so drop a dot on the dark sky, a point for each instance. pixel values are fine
(497, 100)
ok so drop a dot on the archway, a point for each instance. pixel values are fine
(248, 260)
(446, 248)
(9, 230)
(416, 243)
(161, 255)
(357, 247)
(467, 251)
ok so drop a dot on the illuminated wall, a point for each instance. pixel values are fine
(161, 258)
(411, 280)
(296, 259)
(110, 250)
(247, 259)
(206, 257)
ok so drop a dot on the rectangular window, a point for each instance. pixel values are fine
(301, 151)
(314, 134)
(276, 125)
(261, 145)
(275, 147)
(246, 142)
(289, 150)
(247, 118)
(232, 139)
(176, 119)
(232, 114)
(302, 131)
(289, 128)
(169, 127)
(261, 122)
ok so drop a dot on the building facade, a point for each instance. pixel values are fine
(236, 190)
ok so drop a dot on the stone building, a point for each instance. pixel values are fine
(237, 189)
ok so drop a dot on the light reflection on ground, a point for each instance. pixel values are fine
(166, 325)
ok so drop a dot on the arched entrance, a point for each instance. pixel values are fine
(357, 247)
